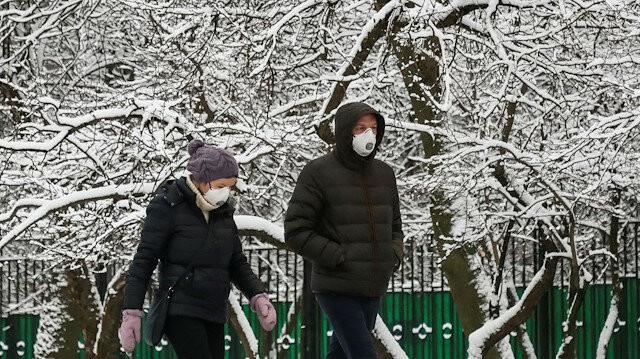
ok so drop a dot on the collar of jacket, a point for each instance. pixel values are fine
(346, 118)
(200, 201)
(177, 191)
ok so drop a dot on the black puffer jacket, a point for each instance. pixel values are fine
(174, 233)
(344, 215)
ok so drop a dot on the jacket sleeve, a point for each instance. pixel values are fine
(241, 274)
(158, 227)
(303, 213)
(396, 225)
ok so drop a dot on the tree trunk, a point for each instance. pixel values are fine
(422, 73)
(83, 307)
(108, 342)
(616, 284)
(74, 310)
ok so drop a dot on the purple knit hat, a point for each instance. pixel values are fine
(208, 163)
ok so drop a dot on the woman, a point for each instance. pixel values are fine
(183, 215)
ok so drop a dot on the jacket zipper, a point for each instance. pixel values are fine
(373, 233)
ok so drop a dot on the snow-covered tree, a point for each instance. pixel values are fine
(505, 119)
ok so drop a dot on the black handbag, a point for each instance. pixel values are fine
(154, 326)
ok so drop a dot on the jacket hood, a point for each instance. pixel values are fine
(346, 118)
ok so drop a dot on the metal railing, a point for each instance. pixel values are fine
(418, 310)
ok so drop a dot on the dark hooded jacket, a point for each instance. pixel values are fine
(344, 214)
(174, 233)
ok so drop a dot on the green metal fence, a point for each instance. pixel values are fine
(424, 324)
(418, 310)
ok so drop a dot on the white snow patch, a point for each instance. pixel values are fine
(254, 223)
(386, 338)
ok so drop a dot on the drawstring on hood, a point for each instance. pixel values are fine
(345, 120)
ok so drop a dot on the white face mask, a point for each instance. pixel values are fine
(364, 143)
(217, 196)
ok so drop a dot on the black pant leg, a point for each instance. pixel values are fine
(370, 308)
(215, 338)
(188, 337)
(350, 327)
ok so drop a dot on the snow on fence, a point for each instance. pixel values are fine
(418, 310)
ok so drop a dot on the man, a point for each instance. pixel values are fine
(344, 216)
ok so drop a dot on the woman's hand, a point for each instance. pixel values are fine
(266, 312)
(129, 332)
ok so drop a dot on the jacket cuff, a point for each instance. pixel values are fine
(132, 313)
(339, 258)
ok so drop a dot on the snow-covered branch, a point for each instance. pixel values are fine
(113, 192)
(494, 330)
(261, 228)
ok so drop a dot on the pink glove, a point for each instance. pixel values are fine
(129, 332)
(266, 312)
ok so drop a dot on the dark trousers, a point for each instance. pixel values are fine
(353, 319)
(195, 338)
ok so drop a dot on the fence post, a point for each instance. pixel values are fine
(542, 319)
